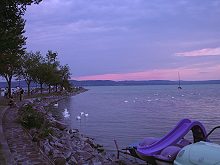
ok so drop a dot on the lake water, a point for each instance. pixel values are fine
(130, 113)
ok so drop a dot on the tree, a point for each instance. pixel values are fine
(12, 40)
(53, 69)
(40, 75)
(65, 76)
(30, 62)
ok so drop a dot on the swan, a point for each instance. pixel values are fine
(78, 117)
(82, 113)
(66, 114)
(86, 114)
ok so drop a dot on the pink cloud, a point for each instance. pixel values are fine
(201, 52)
(195, 72)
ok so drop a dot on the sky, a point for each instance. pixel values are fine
(129, 39)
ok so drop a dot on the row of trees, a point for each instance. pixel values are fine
(14, 61)
(43, 70)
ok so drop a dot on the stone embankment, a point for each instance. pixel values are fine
(34, 136)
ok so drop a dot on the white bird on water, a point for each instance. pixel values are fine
(66, 114)
(82, 113)
(78, 117)
(55, 105)
(86, 114)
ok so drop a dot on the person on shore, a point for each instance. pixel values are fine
(6, 92)
(11, 102)
(21, 93)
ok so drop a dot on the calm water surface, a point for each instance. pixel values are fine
(130, 113)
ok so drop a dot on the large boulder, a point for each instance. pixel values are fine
(85, 155)
(87, 148)
(59, 125)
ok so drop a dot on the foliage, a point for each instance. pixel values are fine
(46, 131)
(53, 69)
(30, 118)
(30, 61)
(12, 40)
(14, 61)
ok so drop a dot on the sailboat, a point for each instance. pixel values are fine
(179, 87)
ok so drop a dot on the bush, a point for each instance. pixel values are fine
(45, 132)
(30, 118)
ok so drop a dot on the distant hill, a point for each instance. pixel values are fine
(15, 84)
(130, 83)
(120, 83)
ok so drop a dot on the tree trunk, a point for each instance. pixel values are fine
(49, 88)
(9, 88)
(8, 79)
(28, 84)
(41, 88)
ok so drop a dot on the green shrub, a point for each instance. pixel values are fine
(45, 132)
(30, 118)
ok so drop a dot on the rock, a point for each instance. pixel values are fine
(72, 131)
(73, 161)
(97, 163)
(76, 156)
(86, 155)
(47, 149)
(36, 138)
(51, 138)
(33, 131)
(59, 125)
(89, 141)
(100, 158)
(100, 150)
(59, 145)
(67, 155)
(87, 148)
(57, 154)
(40, 109)
(27, 101)
(60, 161)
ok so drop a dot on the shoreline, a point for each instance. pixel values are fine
(60, 144)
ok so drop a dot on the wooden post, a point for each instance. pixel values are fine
(117, 148)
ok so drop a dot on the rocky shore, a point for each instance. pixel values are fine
(60, 144)
(57, 143)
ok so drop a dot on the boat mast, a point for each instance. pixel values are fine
(179, 87)
(179, 78)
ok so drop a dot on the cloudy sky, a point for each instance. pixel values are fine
(129, 39)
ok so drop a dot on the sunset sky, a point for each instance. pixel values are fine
(129, 39)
